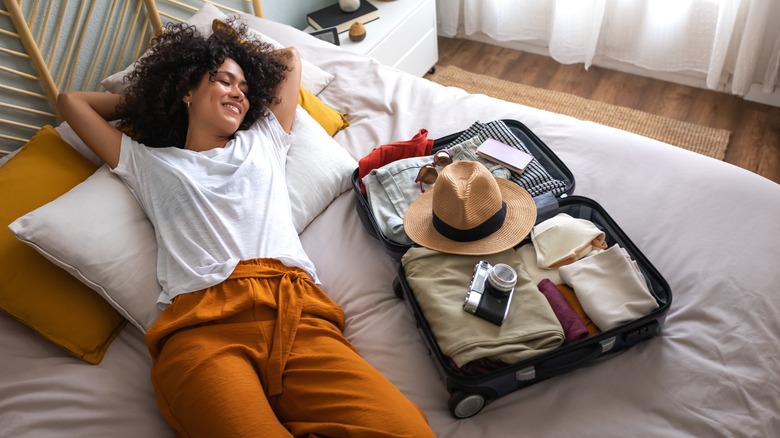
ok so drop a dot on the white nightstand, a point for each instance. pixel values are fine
(404, 36)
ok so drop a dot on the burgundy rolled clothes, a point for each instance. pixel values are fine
(573, 327)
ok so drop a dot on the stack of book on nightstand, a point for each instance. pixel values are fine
(333, 16)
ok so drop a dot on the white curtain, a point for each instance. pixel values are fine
(731, 43)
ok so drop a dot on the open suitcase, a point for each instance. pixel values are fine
(470, 393)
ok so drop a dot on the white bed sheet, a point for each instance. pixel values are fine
(711, 229)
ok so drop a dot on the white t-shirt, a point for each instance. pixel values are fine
(212, 209)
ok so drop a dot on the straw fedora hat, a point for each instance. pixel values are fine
(470, 212)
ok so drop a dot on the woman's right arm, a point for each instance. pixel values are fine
(88, 114)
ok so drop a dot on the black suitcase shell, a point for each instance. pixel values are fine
(535, 145)
(470, 393)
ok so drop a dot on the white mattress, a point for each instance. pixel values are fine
(711, 229)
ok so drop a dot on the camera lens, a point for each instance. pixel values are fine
(502, 279)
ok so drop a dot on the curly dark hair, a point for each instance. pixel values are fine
(152, 110)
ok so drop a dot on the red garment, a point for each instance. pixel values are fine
(418, 146)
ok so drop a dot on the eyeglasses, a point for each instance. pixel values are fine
(428, 172)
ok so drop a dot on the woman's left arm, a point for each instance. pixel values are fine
(287, 91)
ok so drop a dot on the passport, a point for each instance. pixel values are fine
(501, 153)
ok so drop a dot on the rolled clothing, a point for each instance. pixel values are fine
(568, 294)
(573, 327)
(440, 282)
(563, 239)
(610, 287)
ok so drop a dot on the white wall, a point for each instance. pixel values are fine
(292, 12)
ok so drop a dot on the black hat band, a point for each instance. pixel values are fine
(486, 228)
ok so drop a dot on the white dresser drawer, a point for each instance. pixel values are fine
(412, 46)
(421, 58)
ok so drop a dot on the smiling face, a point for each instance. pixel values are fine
(218, 104)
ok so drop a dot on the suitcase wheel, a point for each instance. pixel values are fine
(397, 288)
(463, 405)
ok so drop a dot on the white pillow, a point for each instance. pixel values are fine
(318, 169)
(98, 232)
(313, 78)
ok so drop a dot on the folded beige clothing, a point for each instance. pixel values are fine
(527, 254)
(563, 239)
(610, 287)
(440, 281)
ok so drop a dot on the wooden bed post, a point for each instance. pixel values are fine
(31, 47)
(258, 8)
(154, 16)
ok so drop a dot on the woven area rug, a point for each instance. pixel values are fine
(697, 138)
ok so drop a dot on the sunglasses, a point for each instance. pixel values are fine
(428, 172)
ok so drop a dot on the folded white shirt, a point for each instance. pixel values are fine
(610, 287)
(563, 239)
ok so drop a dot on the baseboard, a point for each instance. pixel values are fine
(755, 94)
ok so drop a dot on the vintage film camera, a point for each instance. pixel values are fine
(490, 292)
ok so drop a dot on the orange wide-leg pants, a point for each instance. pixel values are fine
(263, 354)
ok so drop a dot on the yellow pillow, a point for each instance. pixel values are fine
(33, 290)
(331, 120)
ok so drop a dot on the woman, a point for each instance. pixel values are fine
(248, 345)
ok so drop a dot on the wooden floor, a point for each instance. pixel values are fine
(755, 128)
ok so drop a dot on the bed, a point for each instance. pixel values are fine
(710, 228)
